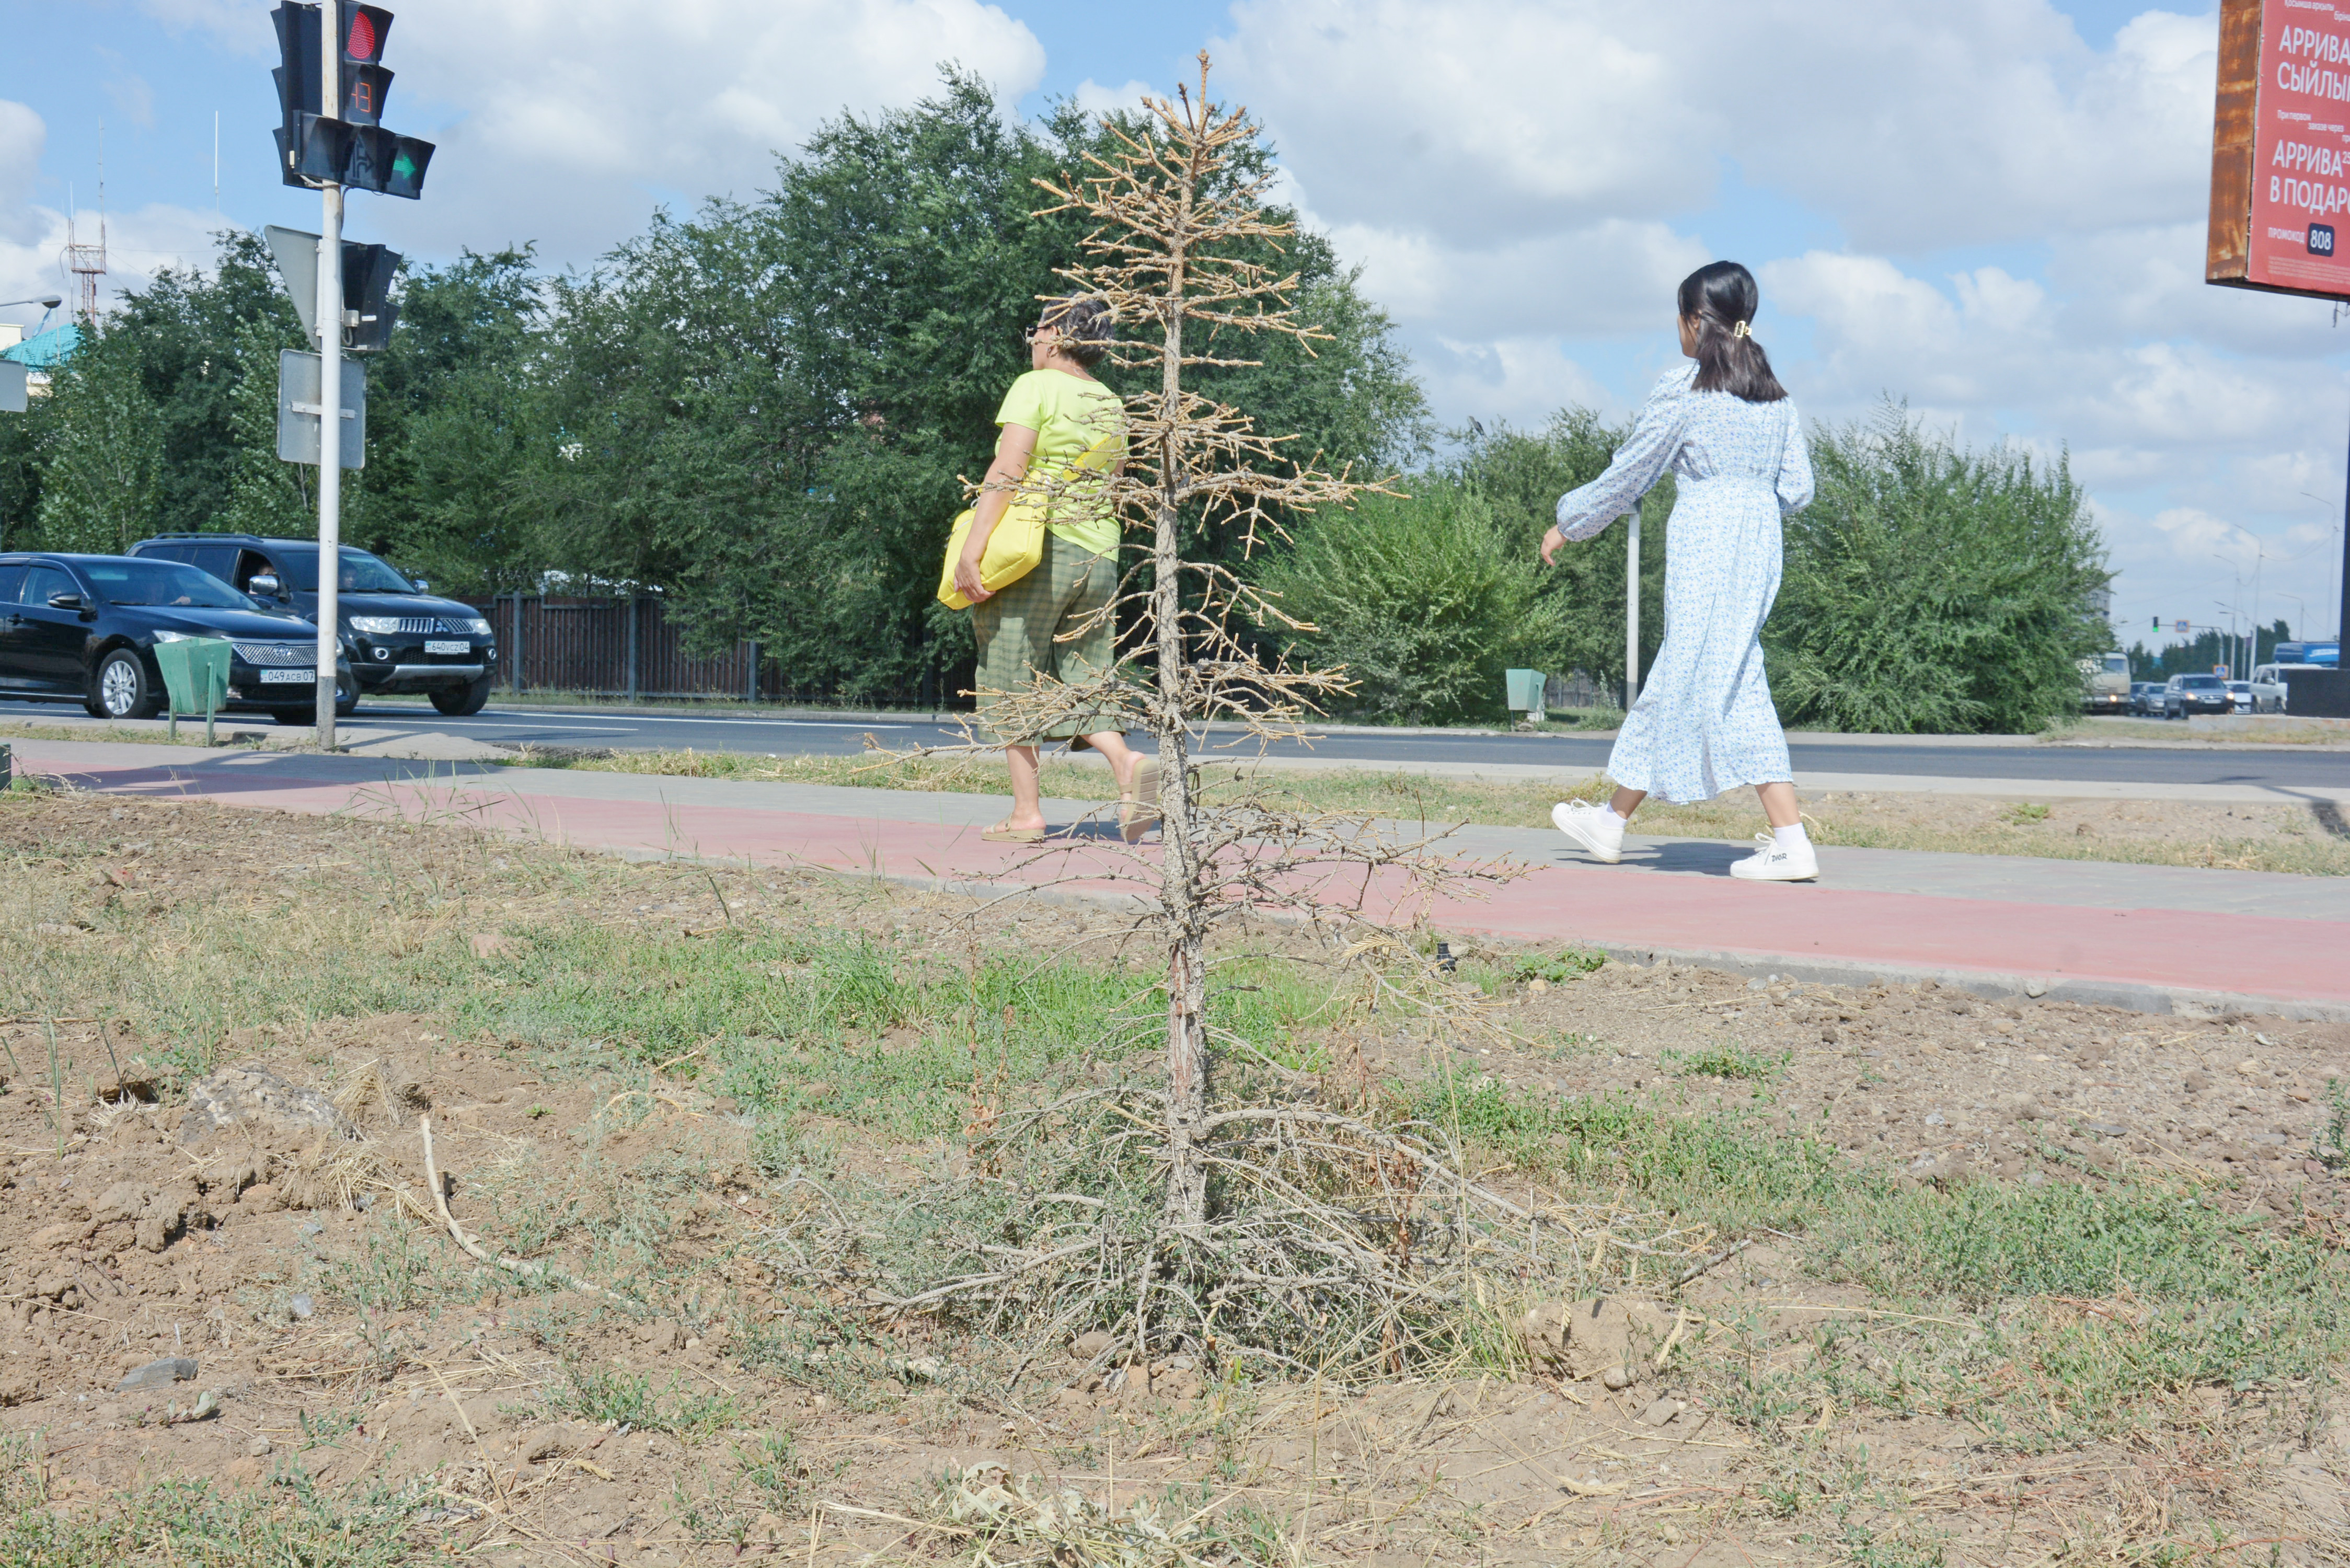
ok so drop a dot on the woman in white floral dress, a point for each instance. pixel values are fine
(1704, 723)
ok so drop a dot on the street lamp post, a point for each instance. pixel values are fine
(47, 301)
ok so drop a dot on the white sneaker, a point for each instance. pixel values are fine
(1595, 827)
(1774, 862)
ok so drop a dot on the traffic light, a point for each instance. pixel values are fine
(2158, 623)
(351, 149)
(368, 272)
(365, 81)
(297, 84)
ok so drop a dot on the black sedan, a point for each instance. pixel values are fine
(2190, 695)
(86, 626)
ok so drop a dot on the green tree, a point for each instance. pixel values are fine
(200, 335)
(265, 496)
(102, 451)
(456, 410)
(1424, 601)
(771, 409)
(1933, 589)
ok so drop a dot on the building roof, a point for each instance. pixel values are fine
(47, 350)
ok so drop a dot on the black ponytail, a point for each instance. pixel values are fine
(1720, 297)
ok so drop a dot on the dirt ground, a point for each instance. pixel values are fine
(321, 1304)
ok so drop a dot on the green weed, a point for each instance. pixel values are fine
(187, 1522)
(1729, 1061)
(609, 1394)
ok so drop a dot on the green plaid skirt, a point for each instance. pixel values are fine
(1029, 629)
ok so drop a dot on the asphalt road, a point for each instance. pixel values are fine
(2270, 766)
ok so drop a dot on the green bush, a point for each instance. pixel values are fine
(1424, 600)
(1933, 589)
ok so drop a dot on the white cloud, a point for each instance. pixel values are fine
(1095, 98)
(1914, 125)
(564, 122)
(22, 137)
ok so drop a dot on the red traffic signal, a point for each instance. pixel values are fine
(365, 28)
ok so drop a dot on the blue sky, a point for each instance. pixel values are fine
(1991, 209)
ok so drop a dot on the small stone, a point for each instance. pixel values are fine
(2035, 987)
(301, 1309)
(1661, 1410)
(2249, 1064)
(1615, 1377)
(1536, 986)
(258, 1448)
(1086, 1347)
(160, 1374)
(1936, 1119)
(2197, 1081)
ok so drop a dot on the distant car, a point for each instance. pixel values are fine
(2268, 690)
(86, 626)
(2146, 699)
(2240, 693)
(2188, 695)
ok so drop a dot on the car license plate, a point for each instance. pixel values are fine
(448, 648)
(290, 678)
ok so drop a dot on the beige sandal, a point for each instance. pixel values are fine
(1004, 833)
(1138, 809)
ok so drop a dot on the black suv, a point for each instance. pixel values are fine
(401, 640)
(87, 626)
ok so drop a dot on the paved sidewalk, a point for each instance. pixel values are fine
(2156, 937)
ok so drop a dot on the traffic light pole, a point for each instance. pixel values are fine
(330, 385)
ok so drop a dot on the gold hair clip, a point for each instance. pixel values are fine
(1742, 330)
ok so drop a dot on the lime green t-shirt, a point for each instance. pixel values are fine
(1080, 426)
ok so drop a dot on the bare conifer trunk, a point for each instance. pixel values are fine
(1181, 884)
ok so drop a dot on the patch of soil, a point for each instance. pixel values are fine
(311, 1279)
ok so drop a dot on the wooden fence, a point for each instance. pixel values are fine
(616, 647)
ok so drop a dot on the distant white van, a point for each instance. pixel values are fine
(2269, 687)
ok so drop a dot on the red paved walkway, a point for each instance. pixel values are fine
(2089, 951)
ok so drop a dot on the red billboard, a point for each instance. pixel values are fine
(2281, 148)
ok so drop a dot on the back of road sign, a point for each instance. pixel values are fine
(297, 410)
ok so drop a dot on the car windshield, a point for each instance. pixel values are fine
(2116, 664)
(164, 583)
(2201, 683)
(362, 573)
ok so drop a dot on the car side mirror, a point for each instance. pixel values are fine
(264, 584)
(422, 586)
(67, 602)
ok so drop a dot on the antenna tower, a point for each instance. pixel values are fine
(87, 263)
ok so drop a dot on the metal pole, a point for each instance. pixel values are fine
(1632, 612)
(2341, 609)
(330, 383)
(633, 602)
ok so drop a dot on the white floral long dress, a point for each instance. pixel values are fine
(1704, 722)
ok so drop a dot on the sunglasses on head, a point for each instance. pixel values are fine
(1028, 334)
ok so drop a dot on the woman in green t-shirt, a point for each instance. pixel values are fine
(1055, 623)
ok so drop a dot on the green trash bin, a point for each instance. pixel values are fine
(195, 679)
(1525, 692)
